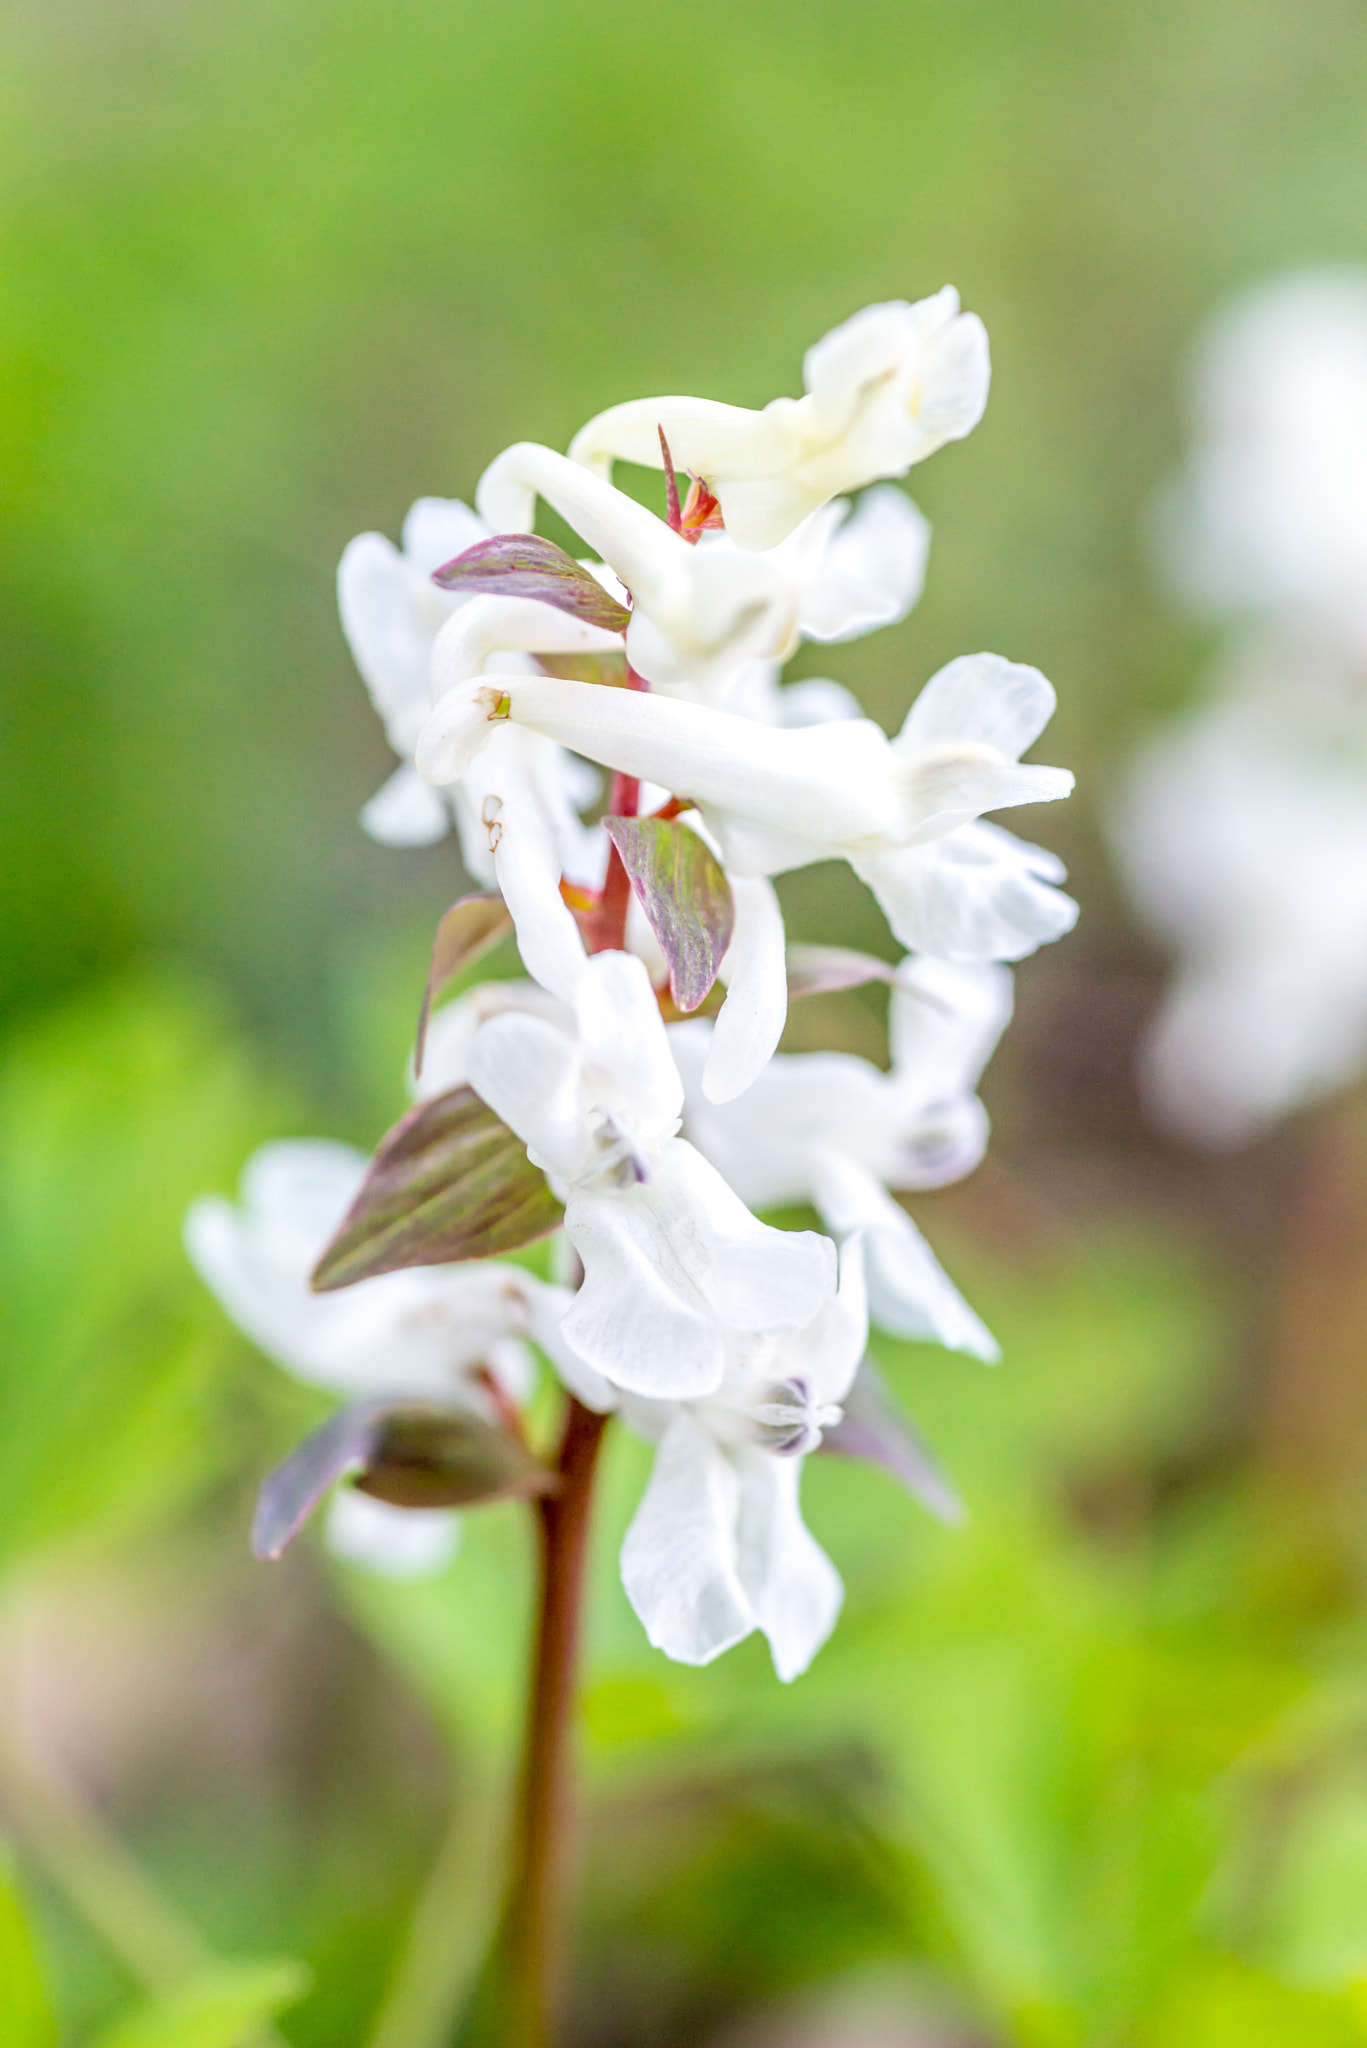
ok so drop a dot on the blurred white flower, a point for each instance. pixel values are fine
(1243, 831)
(1243, 834)
(674, 1263)
(702, 608)
(431, 1332)
(1267, 517)
(780, 798)
(834, 1130)
(882, 391)
(718, 1547)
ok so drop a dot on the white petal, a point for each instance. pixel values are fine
(828, 783)
(873, 570)
(710, 439)
(398, 1543)
(984, 698)
(451, 1033)
(642, 1317)
(760, 1278)
(955, 381)
(678, 1559)
(978, 893)
(827, 1352)
(792, 1587)
(406, 811)
(627, 1061)
(949, 786)
(460, 726)
(816, 700)
(436, 530)
(751, 1020)
(944, 1021)
(909, 1291)
(527, 1070)
(489, 625)
(389, 638)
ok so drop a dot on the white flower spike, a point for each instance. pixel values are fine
(883, 391)
(673, 1262)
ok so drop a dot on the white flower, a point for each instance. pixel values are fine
(1243, 836)
(673, 1262)
(391, 614)
(718, 1547)
(700, 611)
(1268, 517)
(518, 815)
(431, 1332)
(883, 390)
(834, 1130)
(778, 799)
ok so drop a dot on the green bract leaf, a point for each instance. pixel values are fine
(225, 2007)
(449, 1182)
(413, 1454)
(525, 565)
(876, 1429)
(685, 895)
(467, 930)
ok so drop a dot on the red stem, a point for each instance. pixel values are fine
(541, 1871)
(535, 1927)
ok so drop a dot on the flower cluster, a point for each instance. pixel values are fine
(1243, 834)
(629, 1093)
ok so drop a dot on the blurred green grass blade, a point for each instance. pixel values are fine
(226, 2007)
(29, 2020)
(113, 1115)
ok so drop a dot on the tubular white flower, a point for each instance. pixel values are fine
(718, 1547)
(673, 1261)
(778, 799)
(833, 1130)
(700, 611)
(883, 391)
(428, 1331)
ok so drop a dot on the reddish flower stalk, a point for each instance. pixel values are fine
(534, 1934)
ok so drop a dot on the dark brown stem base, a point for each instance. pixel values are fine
(534, 1935)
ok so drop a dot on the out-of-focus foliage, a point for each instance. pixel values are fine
(1091, 1769)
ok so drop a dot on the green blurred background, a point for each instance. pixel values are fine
(1093, 1771)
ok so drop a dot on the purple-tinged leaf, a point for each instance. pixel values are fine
(467, 931)
(413, 1454)
(525, 565)
(876, 1428)
(824, 970)
(449, 1182)
(342, 1446)
(451, 1458)
(685, 895)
